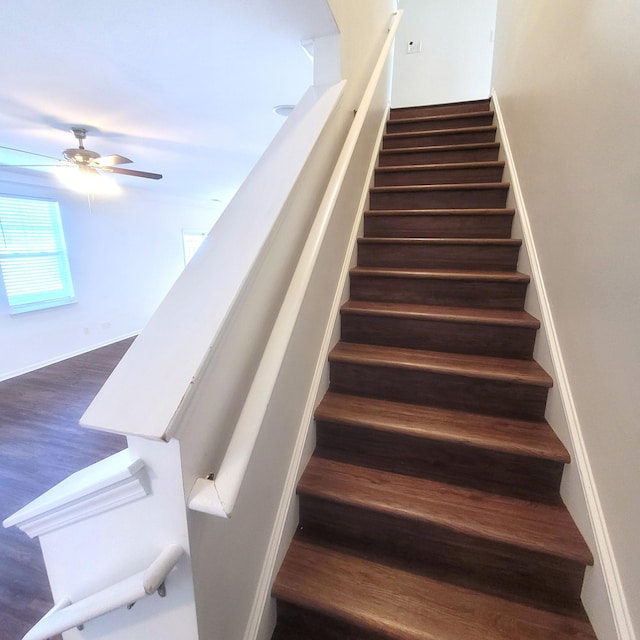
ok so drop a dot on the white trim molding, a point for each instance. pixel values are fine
(105, 485)
(604, 548)
(71, 354)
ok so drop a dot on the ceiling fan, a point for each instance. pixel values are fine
(89, 162)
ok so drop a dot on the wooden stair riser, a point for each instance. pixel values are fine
(439, 174)
(439, 122)
(469, 135)
(489, 196)
(484, 565)
(486, 256)
(439, 335)
(439, 291)
(300, 623)
(440, 109)
(517, 476)
(486, 152)
(495, 397)
(438, 225)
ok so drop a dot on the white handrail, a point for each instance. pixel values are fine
(154, 384)
(65, 616)
(218, 496)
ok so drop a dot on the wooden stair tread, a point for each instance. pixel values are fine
(469, 242)
(507, 435)
(533, 526)
(398, 604)
(444, 132)
(444, 117)
(468, 146)
(429, 188)
(444, 166)
(505, 317)
(443, 274)
(463, 106)
(439, 212)
(459, 364)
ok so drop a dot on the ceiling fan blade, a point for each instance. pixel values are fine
(31, 153)
(108, 161)
(22, 166)
(132, 172)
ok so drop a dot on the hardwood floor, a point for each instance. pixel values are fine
(41, 443)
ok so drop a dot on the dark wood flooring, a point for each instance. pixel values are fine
(41, 443)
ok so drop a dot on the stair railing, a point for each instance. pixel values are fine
(217, 494)
(153, 386)
(66, 615)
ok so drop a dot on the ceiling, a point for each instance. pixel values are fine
(185, 88)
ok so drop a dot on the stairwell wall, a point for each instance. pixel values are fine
(566, 77)
(454, 63)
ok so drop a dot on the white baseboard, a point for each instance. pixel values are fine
(604, 550)
(65, 356)
(256, 626)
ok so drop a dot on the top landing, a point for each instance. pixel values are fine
(472, 106)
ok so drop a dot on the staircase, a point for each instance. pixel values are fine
(430, 508)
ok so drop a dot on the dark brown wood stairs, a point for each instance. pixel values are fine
(430, 509)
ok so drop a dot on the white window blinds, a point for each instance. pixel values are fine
(33, 256)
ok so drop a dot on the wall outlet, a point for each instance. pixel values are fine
(414, 46)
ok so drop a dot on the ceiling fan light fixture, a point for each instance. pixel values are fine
(86, 180)
(80, 156)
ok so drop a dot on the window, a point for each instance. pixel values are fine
(33, 256)
(191, 241)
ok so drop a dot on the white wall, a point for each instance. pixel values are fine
(457, 49)
(566, 74)
(124, 252)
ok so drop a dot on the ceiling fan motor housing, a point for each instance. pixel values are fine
(80, 155)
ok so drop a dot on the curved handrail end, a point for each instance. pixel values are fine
(204, 497)
(158, 570)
